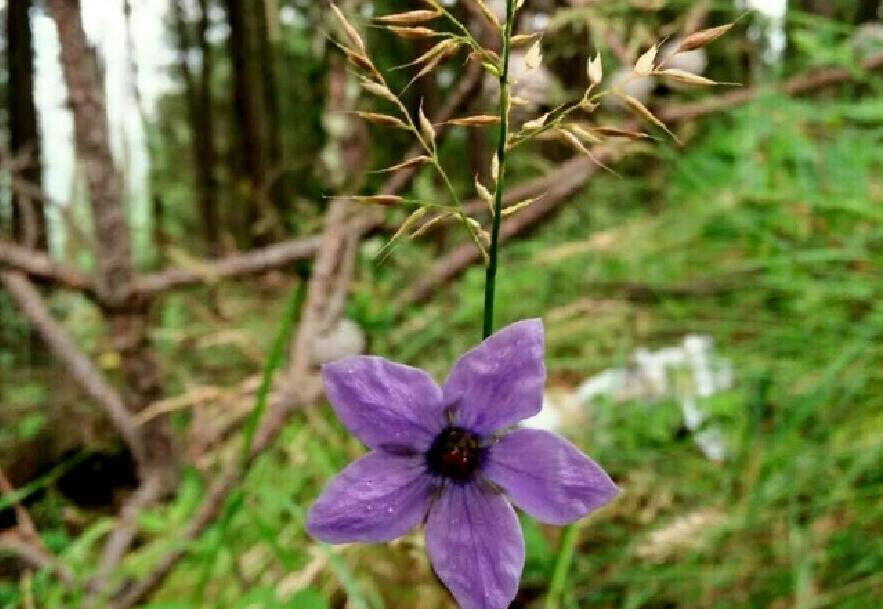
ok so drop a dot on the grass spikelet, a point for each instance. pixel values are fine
(643, 112)
(382, 119)
(475, 231)
(362, 62)
(536, 123)
(426, 127)
(522, 40)
(409, 17)
(687, 78)
(348, 28)
(446, 48)
(620, 133)
(417, 160)
(699, 39)
(644, 65)
(534, 56)
(488, 14)
(413, 32)
(580, 147)
(378, 89)
(484, 194)
(431, 223)
(409, 222)
(595, 70)
(479, 120)
(378, 199)
(584, 134)
(516, 207)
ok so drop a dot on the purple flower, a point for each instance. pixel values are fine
(447, 456)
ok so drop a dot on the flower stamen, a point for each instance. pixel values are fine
(456, 453)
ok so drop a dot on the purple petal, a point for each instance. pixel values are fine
(383, 403)
(376, 498)
(547, 476)
(499, 382)
(475, 545)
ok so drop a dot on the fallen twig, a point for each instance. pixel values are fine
(15, 257)
(25, 542)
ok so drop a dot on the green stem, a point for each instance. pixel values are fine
(490, 282)
(562, 566)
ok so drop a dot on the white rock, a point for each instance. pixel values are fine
(343, 339)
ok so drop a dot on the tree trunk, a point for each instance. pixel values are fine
(28, 217)
(257, 156)
(199, 110)
(115, 281)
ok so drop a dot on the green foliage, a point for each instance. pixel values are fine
(765, 232)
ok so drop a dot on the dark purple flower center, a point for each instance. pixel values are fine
(455, 453)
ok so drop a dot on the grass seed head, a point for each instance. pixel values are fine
(644, 65)
(699, 39)
(349, 29)
(410, 17)
(413, 32)
(594, 70)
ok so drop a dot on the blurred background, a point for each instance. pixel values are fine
(712, 310)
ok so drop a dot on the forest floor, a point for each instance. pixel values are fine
(766, 234)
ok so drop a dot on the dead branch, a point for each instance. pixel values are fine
(36, 556)
(38, 264)
(257, 261)
(28, 299)
(25, 541)
(122, 536)
(22, 517)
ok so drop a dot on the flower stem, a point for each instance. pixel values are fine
(562, 566)
(490, 282)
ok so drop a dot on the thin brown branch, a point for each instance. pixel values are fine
(34, 555)
(25, 541)
(38, 264)
(122, 536)
(31, 304)
(257, 261)
(22, 517)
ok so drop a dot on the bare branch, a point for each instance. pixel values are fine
(256, 261)
(22, 517)
(35, 555)
(38, 264)
(121, 538)
(25, 542)
(80, 367)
